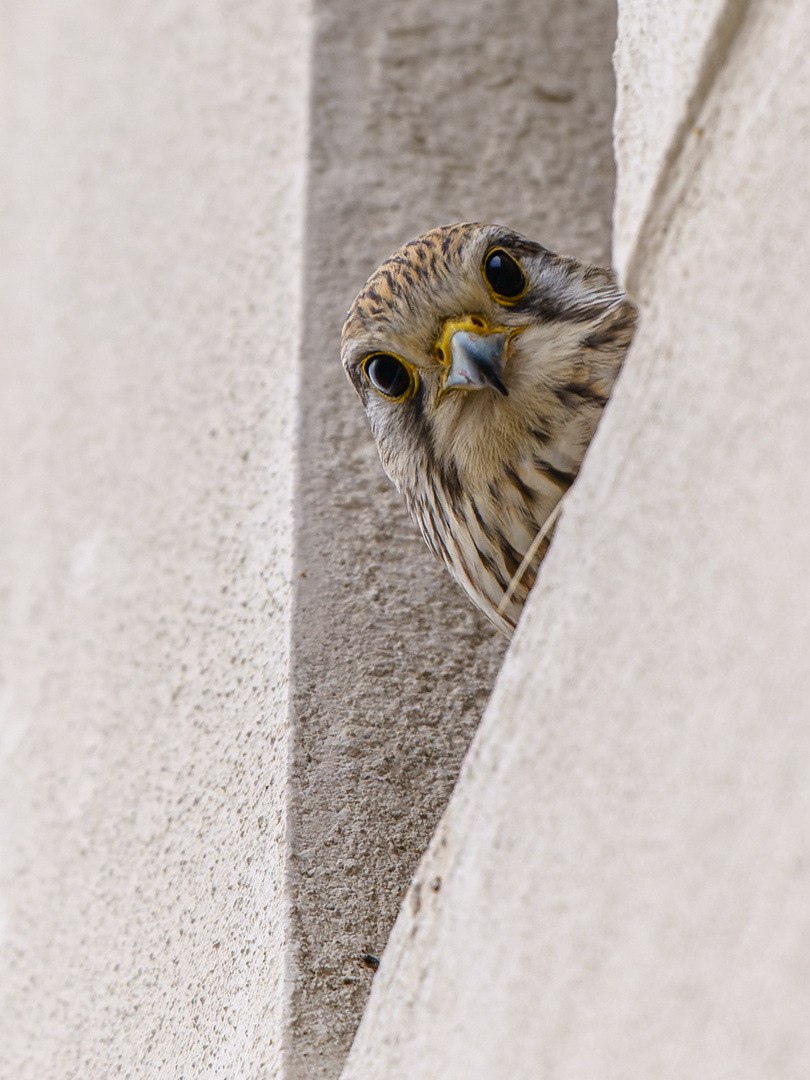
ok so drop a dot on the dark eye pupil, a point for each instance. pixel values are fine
(504, 274)
(389, 375)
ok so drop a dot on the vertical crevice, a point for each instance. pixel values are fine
(422, 114)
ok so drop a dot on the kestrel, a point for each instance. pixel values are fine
(484, 362)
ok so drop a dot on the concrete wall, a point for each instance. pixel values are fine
(153, 203)
(619, 887)
(235, 689)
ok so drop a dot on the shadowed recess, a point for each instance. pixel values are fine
(392, 665)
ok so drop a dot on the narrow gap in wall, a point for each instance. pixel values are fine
(422, 114)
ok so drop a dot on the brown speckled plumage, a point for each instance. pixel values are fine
(482, 464)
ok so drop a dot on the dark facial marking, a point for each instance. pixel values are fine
(562, 479)
(612, 333)
(492, 567)
(511, 558)
(451, 484)
(527, 493)
(485, 529)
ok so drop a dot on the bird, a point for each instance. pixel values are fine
(484, 362)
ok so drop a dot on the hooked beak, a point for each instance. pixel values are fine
(474, 358)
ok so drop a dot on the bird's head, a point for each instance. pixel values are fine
(464, 337)
(484, 362)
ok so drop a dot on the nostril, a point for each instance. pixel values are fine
(440, 354)
(477, 322)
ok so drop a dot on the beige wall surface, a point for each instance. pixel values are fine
(235, 688)
(153, 185)
(619, 887)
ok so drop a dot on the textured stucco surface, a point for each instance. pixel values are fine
(153, 194)
(668, 56)
(619, 886)
(192, 515)
(423, 114)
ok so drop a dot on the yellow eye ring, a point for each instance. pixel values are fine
(391, 376)
(504, 276)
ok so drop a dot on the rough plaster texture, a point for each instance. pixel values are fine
(619, 887)
(422, 114)
(668, 57)
(152, 219)
(165, 267)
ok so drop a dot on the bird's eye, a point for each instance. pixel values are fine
(389, 375)
(504, 275)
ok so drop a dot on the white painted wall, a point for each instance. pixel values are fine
(153, 171)
(619, 887)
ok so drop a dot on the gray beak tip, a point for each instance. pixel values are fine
(477, 361)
